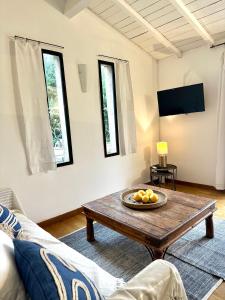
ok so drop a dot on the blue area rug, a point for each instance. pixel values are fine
(197, 250)
(200, 261)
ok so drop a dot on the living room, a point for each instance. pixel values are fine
(56, 159)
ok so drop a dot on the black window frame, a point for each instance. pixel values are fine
(65, 102)
(103, 62)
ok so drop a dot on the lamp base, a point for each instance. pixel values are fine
(163, 161)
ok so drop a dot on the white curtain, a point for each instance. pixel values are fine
(32, 108)
(125, 109)
(220, 163)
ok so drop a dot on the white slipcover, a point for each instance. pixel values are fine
(11, 286)
(158, 281)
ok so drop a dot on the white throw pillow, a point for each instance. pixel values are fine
(11, 286)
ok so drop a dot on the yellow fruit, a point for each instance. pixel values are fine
(153, 198)
(149, 192)
(141, 192)
(145, 199)
(140, 195)
(137, 197)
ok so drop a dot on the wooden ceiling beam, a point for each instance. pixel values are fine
(183, 10)
(155, 33)
(73, 7)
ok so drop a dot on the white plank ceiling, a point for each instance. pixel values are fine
(166, 18)
(159, 27)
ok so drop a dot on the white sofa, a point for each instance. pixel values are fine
(158, 281)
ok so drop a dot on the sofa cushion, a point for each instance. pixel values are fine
(9, 222)
(105, 282)
(11, 286)
(47, 276)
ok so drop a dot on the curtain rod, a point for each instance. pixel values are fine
(214, 46)
(101, 55)
(27, 39)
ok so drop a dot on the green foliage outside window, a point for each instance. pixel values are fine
(53, 101)
(105, 110)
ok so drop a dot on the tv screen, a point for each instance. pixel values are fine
(182, 100)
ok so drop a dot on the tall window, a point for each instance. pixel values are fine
(57, 106)
(108, 107)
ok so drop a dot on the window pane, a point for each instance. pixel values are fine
(109, 113)
(57, 105)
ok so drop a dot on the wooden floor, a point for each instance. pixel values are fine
(71, 224)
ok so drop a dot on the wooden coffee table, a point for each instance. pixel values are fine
(156, 229)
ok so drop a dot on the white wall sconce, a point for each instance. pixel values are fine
(82, 71)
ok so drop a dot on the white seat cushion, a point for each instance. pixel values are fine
(11, 286)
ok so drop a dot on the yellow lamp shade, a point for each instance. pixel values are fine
(162, 148)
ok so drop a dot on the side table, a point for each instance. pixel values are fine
(170, 171)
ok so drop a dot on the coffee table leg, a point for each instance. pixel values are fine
(156, 253)
(90, 230)
(209, 227)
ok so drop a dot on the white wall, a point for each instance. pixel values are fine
(58, 4)
(47, 195)
(192, 137)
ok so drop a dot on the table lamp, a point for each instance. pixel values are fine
(162, 150)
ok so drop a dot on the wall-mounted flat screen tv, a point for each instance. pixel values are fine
(181, 100)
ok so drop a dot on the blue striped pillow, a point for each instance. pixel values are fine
(9, 221)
